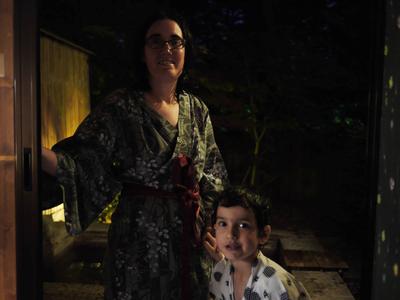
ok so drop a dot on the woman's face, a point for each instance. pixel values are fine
(164, 54)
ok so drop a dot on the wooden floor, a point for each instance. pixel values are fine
(301, 253)
(317, 268)
(324, 285)
(72, 291)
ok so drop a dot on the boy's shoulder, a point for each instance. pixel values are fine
(294, 288)
(272, 264)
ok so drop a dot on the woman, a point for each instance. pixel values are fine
(155, 146)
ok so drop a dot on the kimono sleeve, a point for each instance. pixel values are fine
(50, 191)
(294, 288)
(215, 176)
(84, 168)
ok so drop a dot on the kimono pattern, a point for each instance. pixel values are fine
(124, 141)
(263, 283)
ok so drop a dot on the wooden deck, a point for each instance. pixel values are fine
(301, 253)
(324, 285)
(317, 268)
(68, 291)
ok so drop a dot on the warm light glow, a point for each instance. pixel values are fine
(56, 213)
(64, 90)
(65, 102)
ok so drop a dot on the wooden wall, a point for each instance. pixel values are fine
(64, 76)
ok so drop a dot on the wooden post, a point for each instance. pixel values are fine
(8, 276)
(19, 218)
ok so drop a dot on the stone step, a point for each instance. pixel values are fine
(324, 285)
(303, 251)
(68, 291)
(312, 260)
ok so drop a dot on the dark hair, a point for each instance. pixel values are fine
(140, 68)
(246, 198)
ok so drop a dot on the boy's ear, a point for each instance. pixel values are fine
(266, 232)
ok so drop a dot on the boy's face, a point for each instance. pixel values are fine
(236, 233)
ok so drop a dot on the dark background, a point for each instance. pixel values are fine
(287, 85)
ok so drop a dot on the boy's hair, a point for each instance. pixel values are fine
(246, 198)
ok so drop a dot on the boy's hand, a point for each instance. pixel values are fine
(210, 244)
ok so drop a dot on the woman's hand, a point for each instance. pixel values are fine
(210, 244)
(49, 161)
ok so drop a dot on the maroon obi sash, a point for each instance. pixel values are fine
(186, 191)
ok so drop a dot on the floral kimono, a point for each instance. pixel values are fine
(124, 141)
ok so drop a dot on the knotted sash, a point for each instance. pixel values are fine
(186, 190)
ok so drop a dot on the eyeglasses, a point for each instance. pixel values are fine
(156, 42)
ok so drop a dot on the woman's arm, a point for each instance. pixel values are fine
(49, 161)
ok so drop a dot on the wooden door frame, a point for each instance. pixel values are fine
(28, 212)
(8, 284)
(20, 254)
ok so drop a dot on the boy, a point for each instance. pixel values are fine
(240, 221)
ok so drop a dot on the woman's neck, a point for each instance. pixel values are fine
(162, 93)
